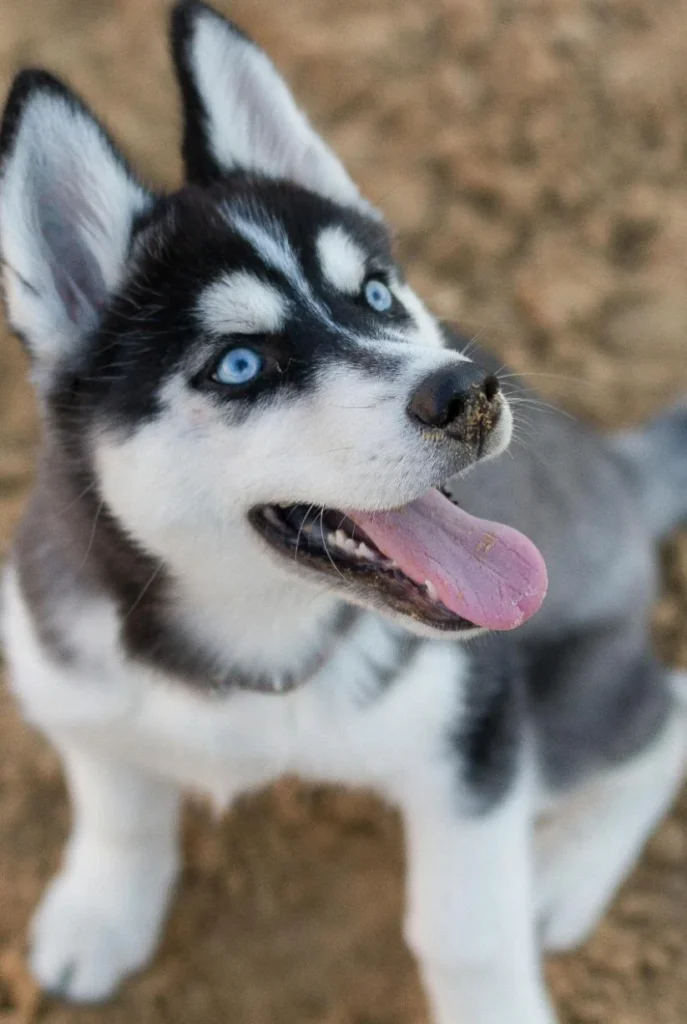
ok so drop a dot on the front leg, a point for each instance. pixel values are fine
(102, 914)
(470, 915)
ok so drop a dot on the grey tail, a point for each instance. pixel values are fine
(655, 457)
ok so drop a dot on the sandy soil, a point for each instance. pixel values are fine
(531, 155)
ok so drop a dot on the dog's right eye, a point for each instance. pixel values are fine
(238, 366)
(378, 295)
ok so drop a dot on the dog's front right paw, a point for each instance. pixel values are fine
(84, 941)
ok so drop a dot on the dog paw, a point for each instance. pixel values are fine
(84, 943)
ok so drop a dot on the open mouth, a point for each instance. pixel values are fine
(429, 560)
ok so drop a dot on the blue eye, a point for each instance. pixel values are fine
(239, 366)
(378, 296)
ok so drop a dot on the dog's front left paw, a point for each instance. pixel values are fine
(86, 939)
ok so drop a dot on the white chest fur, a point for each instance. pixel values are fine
(338, 728)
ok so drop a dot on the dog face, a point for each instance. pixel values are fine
(242, 360)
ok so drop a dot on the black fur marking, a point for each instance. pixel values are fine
(598, 698)
(487, 738)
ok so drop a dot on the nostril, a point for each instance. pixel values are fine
(491, 387)
(455, 408)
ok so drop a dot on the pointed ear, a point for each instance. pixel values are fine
(239, 113)
(68, 204)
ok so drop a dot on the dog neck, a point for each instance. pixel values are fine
(261, 620)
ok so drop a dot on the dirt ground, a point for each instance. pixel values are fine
(531, 155)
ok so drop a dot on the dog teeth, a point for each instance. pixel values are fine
(272, 516)
(360, 550)
(368, 553)
(432, 591)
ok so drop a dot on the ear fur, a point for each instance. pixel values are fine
(239, 113)
(68, 205)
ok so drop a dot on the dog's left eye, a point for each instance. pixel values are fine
(377, 295)
(239, 366)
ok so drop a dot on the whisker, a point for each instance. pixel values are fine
(528, 446)
(300, 531)
(76, 499)
(372, 406)
(329, 451)
(144, 591)
(474, 340)
(324, 541)
(91, 539)
(536, 403)
(554, 376)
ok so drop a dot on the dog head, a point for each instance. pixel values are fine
(244, 359)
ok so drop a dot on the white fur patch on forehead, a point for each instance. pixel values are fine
(266, 237)
(240, 303)
(342, 261)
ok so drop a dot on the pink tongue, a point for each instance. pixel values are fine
(488, 573)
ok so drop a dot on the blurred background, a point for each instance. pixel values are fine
(531, 155)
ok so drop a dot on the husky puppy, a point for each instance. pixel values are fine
(248, 551)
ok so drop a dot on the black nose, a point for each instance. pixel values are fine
(461, 400)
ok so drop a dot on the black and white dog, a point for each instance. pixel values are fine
(242, 558)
